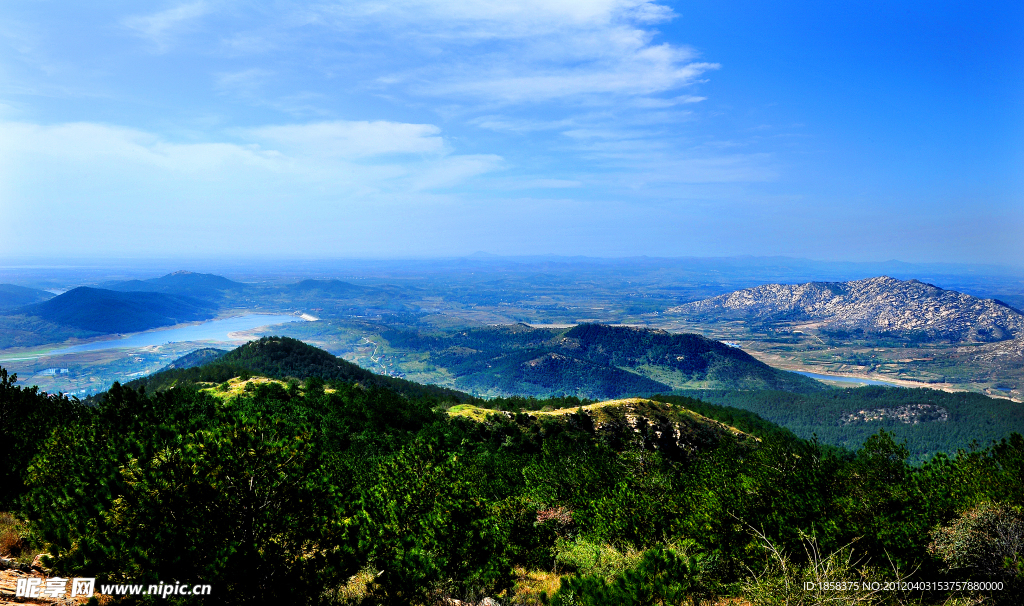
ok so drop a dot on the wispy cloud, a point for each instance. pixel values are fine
(350, 139)
(525, 52)
(306, 161)
(245, 82)
(160, 27)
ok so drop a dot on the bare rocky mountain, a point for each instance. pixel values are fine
(874, 305)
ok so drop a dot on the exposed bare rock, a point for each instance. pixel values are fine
(878, 305)
(911, 414)
(37, 562)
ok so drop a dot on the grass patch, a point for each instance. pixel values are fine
(17, 540)
(531, 584)
(232, 388)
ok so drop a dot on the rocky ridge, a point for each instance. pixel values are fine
(877, 305)
(674, 430)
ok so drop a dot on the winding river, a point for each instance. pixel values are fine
(213, 330)
(842, 379)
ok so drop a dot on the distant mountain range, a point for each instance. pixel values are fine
(182, 283)
(876, 305)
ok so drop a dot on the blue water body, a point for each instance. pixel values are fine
(214, 330)
(844, 379)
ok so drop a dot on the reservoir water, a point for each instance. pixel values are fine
(844, 379)
(214, 330)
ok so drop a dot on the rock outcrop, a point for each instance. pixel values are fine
(877, 305)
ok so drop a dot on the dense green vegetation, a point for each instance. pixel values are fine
(743, 420)
(590, 361)
(282, 494)
(933, 421)
(27, 418)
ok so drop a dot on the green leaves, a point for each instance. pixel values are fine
(662, 577)
(170, 488)
(426, 530)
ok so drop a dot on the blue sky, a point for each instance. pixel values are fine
(827, 130)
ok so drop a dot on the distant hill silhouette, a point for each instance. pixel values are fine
(285, 358)
(107, 311)
(326, 287)
(12, 296)
(183, 283)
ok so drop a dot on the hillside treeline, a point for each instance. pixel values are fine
(291, 493)
(932, 420)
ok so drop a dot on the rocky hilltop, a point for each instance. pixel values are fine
(878, 305)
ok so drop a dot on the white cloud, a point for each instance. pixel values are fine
(498, 18)
(110, 170)
(526, 51)
(517, 125)
(453, 171)
(542, 184)
(633, 76)
(350, 139)
(159, 27)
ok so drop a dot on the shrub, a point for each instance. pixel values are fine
(591, 559)
(986, 541)
(12, 536)
(661, 577)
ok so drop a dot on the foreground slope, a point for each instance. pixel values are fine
(875, 305)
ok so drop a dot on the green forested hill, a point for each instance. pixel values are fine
(541, 373)
(591, 361)
(680, 358)
(285, 358)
